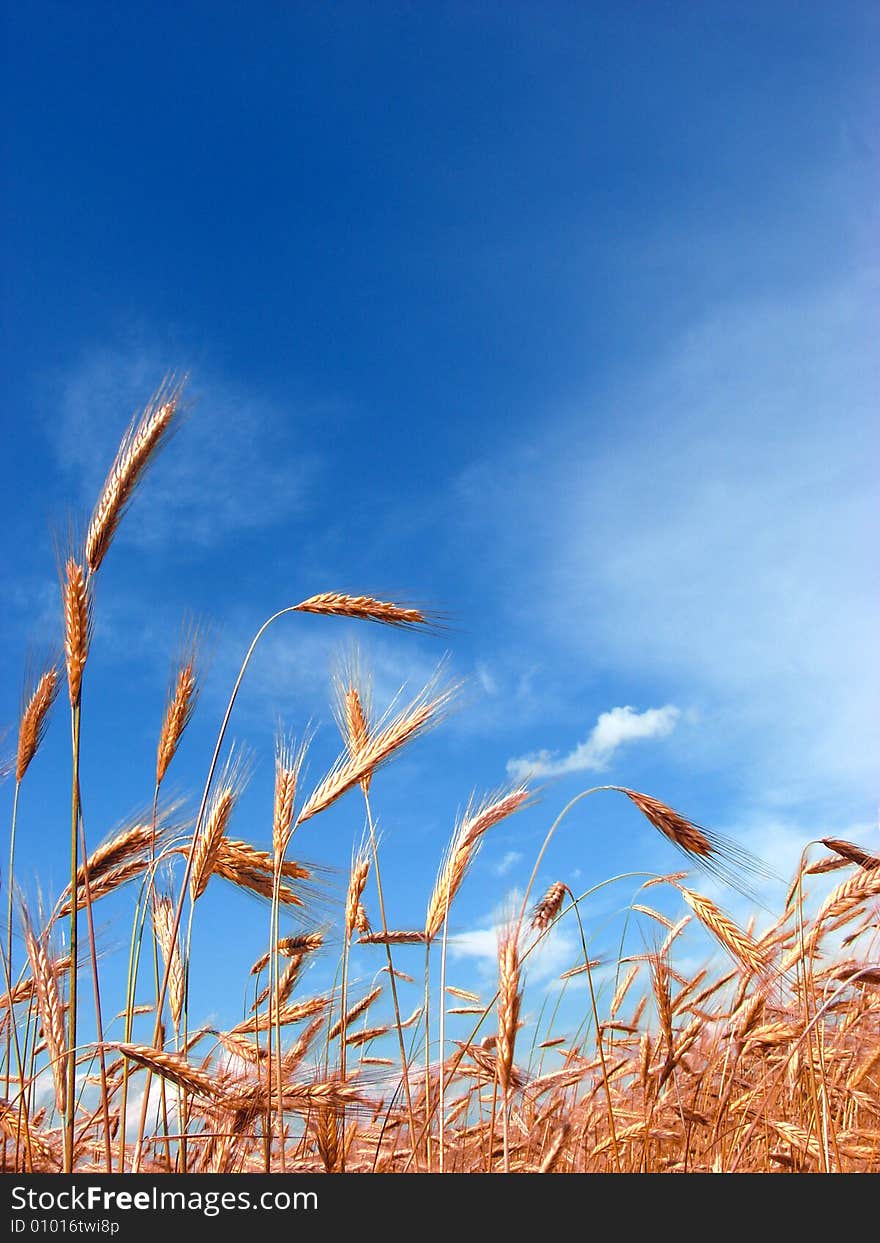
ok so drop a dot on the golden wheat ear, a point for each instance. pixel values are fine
(545, 911)
(140, 444)
(76, 597)
(368, 608)
(37, 700)
(466, 841)
(424, 711)
(183, 693)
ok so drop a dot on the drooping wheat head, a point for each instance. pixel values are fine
(549, 907)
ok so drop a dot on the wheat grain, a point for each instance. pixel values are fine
(206, 853)
(357, 882)
(509, 1000)
(852, 853)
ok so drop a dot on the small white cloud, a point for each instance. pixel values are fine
(135, 1105)
(612, 730)
(556, 952)
(507, 863)
(486, 679)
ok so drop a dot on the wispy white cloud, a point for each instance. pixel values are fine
(612, 730)
(507, 862)
(237, 465)
(713, 537)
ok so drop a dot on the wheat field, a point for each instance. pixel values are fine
(766, 1060)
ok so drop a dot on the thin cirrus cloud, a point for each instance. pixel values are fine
(612, 730)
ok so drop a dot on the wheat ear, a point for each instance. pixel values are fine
(139, 445)
(476, 821)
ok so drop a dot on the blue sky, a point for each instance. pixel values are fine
(560, 318)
